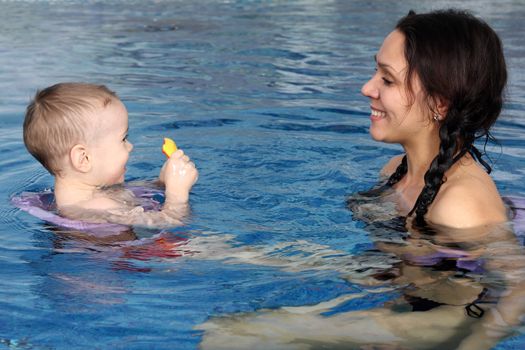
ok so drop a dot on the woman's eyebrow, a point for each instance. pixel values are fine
(383, 65)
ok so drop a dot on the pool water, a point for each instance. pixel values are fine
(265, 98)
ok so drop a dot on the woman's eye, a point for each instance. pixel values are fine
(387, 82)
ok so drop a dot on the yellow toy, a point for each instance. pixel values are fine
(168, 147)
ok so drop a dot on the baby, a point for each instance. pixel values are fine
(79, 133)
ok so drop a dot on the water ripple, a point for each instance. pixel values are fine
(337, 128)
(210, 123)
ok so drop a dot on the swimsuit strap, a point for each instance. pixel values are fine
(473, 309)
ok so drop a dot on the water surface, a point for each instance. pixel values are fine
(264, 96)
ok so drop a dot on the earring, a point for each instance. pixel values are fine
(436, 117)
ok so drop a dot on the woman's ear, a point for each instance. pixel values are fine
(439, 108)
(80, 158)
(442, 107)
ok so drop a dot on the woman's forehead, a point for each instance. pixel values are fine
(392, 52)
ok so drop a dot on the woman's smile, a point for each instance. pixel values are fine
(377, 114)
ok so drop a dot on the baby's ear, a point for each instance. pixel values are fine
(80, 158)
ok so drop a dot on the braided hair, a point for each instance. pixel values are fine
(458, 59)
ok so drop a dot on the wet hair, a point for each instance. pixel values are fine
(459, 59)
(57, 119)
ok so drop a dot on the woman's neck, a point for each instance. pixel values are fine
(420, 154)
(419, 157)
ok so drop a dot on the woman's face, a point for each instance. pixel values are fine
(396, 115)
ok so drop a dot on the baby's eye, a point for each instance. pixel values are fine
(125, 138)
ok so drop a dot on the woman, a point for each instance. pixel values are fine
(438, 87)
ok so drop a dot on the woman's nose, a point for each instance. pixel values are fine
(369, 89)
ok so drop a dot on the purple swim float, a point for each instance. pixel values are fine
(42, 205)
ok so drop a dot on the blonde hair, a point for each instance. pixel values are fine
(57, 119)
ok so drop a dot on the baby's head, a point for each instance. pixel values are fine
(61, 116)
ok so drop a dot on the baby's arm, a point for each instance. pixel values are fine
(178, 175)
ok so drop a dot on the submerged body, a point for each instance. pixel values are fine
(446, 288)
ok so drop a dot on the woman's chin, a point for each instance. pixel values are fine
(376, 136)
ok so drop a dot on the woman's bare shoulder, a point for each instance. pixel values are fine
(468, 198)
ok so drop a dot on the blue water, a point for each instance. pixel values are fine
(264, 96)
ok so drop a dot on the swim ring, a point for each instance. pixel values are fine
(42, 205)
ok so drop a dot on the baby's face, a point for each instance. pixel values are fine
(111, 149)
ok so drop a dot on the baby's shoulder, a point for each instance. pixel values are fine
(93, 210)
(101, 203)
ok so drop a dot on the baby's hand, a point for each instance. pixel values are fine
(179, 175)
